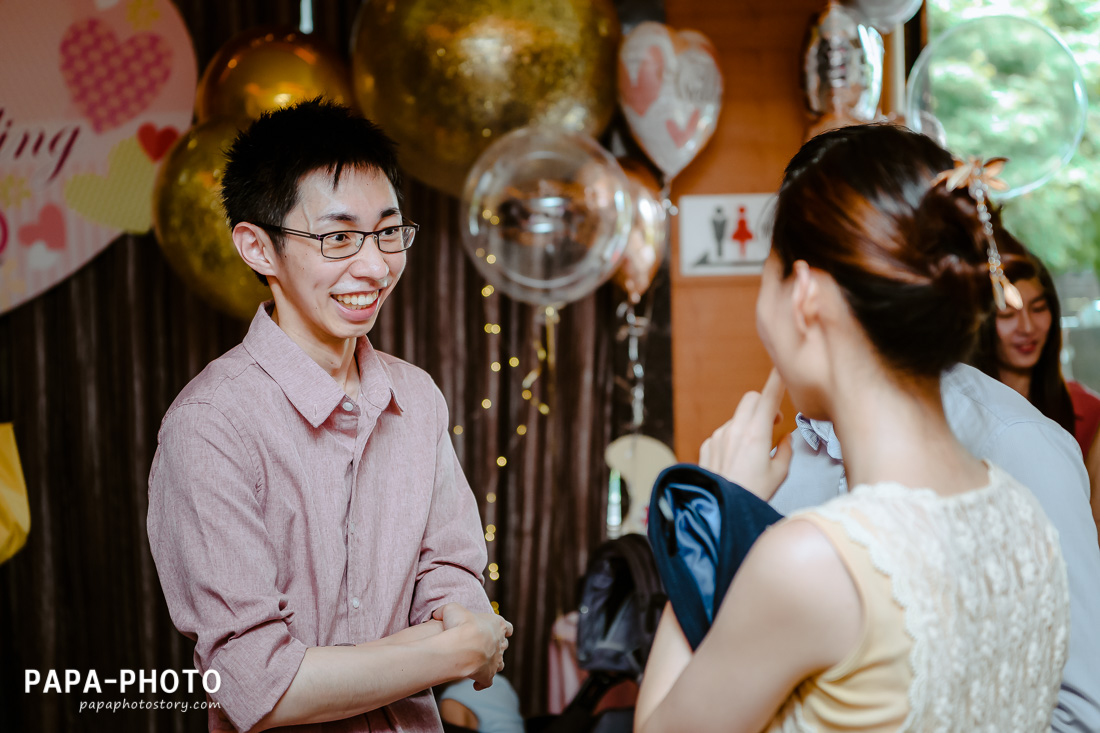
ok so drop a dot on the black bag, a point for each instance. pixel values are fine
(620, 605)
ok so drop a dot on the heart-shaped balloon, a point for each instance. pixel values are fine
(670, 90)
(648, 238)
(93, 92)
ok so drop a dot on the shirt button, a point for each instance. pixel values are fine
(351, 528)
(348, 406)
(355, 603)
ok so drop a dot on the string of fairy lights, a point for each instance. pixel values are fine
(633, 328)
(496, 367)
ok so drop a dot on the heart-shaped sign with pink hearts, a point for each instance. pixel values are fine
(94, 94)
(112, 82)
(670, 90)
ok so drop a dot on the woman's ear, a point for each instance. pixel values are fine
(255, 248)
(806, 295)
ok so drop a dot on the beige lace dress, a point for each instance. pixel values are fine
(966, 613)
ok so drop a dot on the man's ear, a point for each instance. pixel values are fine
(806, 295)
(255, 248)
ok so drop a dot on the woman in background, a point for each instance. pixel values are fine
(933, 595)
(1022, 347)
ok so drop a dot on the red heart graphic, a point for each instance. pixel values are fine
(156, 142)
(681, 135)
(112, 82)
(641, 94)
(50, 228)
(3, 233)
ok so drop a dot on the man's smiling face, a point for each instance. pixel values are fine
(328, 301)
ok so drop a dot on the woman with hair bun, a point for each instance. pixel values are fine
(933, 595)
(1022, 347)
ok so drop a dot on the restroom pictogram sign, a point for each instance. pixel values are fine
(725, 234)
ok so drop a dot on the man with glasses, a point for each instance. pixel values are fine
(311, 526)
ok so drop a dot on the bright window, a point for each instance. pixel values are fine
(1060, 221)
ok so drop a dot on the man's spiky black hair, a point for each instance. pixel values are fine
(267, 161)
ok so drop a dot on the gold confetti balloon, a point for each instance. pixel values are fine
(267, 68)
(191, 226)
(446, 79)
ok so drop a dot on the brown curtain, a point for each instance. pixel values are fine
(88, 369)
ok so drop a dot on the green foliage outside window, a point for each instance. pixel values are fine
(1060, 220)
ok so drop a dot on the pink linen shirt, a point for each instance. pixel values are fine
(285, 515)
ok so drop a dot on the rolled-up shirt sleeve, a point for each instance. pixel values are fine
(216, 561)
(452, 552)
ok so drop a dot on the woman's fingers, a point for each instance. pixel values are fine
(746, 408)
(771, 397)
(781, 461)
(741, 449)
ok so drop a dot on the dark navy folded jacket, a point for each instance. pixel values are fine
(701, 527)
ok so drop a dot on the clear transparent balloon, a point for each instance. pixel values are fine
(547, 215)
(1002, 86)
(842, 67)
(885, 14)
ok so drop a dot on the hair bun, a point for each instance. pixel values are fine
(910, 256)
(949, 232)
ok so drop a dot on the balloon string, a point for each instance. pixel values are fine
(635, 328)
(636, 371)
(665, 196)
(552, 318)
(306, 17)
(633, 331)
(897, 70)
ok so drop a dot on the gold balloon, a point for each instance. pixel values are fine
(265, 69)
(446, 79)
(648, 239)
(191, 226)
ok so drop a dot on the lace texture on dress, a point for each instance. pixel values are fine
(983, 585)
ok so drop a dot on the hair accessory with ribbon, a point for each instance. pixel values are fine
(978, 178)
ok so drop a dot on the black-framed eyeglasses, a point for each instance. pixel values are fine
(342, 244)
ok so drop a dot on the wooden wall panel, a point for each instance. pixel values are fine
(717, 355)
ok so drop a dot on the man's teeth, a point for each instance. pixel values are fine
(360, 300)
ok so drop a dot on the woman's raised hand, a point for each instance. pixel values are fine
(741, 450)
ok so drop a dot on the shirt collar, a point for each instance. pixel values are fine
(816, 432)
(312, 391)
(375, 378)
